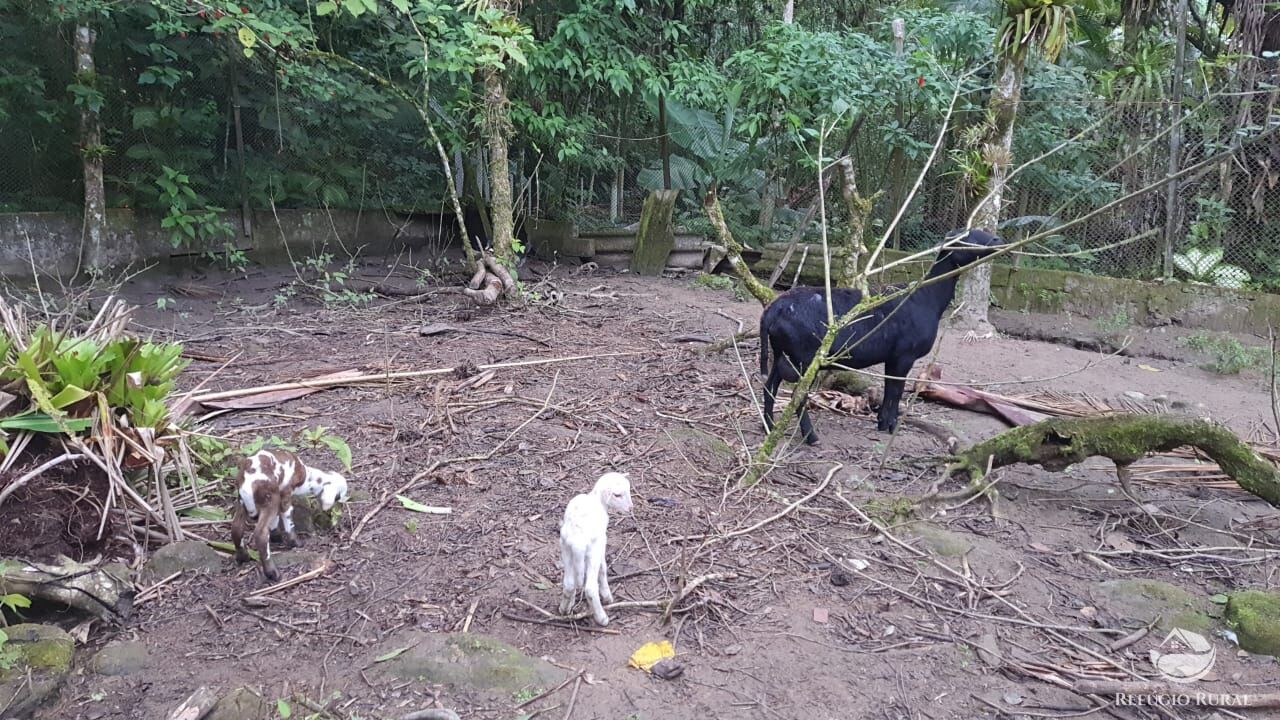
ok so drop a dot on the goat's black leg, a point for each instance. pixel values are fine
(888, 416)
(806, 425)
(770, 393)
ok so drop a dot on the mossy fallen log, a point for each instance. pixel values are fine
(1058, 443)
(105, 592)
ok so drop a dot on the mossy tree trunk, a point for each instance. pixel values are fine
(859, 208)
(655, 238)
(497, 126)
(92, 152)
(997, 150)
(1062, 442)
(733, 250)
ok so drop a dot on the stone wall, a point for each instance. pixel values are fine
(50, 243)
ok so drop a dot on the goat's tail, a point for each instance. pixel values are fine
(764, 342)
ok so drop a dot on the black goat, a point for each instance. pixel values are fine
(896, 333)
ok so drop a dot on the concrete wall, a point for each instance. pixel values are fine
(1091, 296)
(51, 242)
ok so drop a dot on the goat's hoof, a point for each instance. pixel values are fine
(811, 440)
(606, 598)
(241, 557)
(293, 543)
(272, 574)
(566, 605)
(602, 619)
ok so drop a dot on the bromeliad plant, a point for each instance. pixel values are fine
(98, 395)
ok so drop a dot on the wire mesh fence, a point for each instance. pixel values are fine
(257, 134)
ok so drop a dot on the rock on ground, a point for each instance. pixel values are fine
(466, 661)
(188, 556)
(1146, 600)
(1255, 617)
(120, 658)
(241, 704)
(38, 659)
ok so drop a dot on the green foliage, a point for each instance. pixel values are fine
(1206, 267)
(65, 378)
(1117, 323)
(1228, 356)
(1043, 25)
(329, 283)
(320, 435)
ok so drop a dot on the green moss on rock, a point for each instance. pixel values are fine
(940, 540)
(1147, 600)
(464, 660)
(42, 647)
(1255, 617)
(41, 661)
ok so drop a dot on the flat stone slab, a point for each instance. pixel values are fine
(463, 660)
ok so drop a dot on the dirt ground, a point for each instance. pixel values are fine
(782, 631)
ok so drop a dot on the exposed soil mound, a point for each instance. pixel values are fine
(57, 513)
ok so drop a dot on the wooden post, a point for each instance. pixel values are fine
(655, 238)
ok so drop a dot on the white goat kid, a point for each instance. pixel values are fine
(582, 542)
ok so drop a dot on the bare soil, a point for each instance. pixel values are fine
(785, 632)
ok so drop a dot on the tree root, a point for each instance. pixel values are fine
(491, 281)
(1059, 443)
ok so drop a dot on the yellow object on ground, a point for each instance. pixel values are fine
(651, 654)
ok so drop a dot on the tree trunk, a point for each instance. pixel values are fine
(789, 12)
(655, 237)
(733, 250)
(859, 209)
(1137, 15)
(497, 122)
(664, 143)
(975, 285)
(95, 200)
(471, 187)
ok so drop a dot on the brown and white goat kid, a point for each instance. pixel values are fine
(582, 542)
(269, 480)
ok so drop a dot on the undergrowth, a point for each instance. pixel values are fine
(1227, 355)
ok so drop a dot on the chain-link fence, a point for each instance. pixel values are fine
(257, 133)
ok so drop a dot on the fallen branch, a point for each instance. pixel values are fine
(776, 516)
(441, 328)
(387, 496)
(668, 606)
(311, 574)
(28, 477)
(1059, 443)
(196, 706)
(1160, 689)
(725, 344)
(545, 404)
(565, 626)
(382, 377)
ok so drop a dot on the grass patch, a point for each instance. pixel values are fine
(1228, 356)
